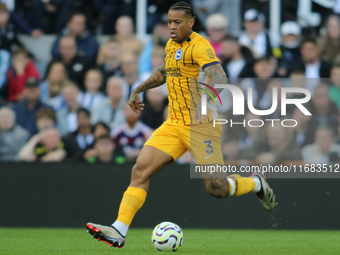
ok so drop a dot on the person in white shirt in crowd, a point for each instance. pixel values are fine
(132, 134)
(237, 60)
(52, 86)
(324, 150)
(67, 116)
(92, 96)
(217, 28)
(12, 136)
(311, 63)
(81, 140)
(290, 48)
(256, 37)
(111, 109)
(130, 74)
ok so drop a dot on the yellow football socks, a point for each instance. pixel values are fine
(132, 201)
(240, 185)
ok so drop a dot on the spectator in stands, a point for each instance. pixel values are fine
(330, 42)
(324, 150)
(67, 117)
(334, 91)
(313, 66)
(111, 110)
(276, 144)
(12, 136)
(87, 45)
(5, 61)
(21, 70)
(27, 109)
(264, 69)
(125, 35)
(46, 118)
(324, 111)
(217, 28)
(105, 151)
(110, 10)
(159, 39)
(303, 131)
(130, 73)
(290, 48)
(99, 129)
(8, 35)
(51, 88)
(250, 134)
(46, 146)
(155, 102)
(237, 60)
(18, 22)
(79, 141)
(256, 38)
(92, 97)
(76, 65)
(50, 15)
(131, 135)
(109, 60)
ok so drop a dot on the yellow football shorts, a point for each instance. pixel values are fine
(202, 140)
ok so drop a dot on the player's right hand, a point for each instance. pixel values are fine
(135, 103)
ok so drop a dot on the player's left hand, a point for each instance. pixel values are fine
(135, 103)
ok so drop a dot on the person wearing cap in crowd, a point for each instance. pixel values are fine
(217, 28)
(290, 48)
(257, 38)
(27, 109)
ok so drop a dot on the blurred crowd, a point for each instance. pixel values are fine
(77, 110)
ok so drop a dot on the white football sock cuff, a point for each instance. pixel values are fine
(232, 185)
(121, 227)
(257, 184)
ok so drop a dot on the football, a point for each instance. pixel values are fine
(167, 236)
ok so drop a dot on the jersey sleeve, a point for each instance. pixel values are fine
(204, 54)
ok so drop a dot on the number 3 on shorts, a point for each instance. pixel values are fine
(209, 149)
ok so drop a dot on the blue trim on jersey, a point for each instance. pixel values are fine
(210, 64)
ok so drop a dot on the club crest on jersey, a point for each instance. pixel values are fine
(179, 54)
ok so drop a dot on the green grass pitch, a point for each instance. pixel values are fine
(77, 241)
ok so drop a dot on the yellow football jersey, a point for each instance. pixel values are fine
(184, 66)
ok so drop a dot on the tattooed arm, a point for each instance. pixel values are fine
(156, 79)
(217, 76)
